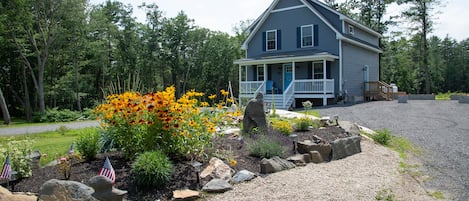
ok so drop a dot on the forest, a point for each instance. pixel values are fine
(69, 54)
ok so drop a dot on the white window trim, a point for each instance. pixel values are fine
(317, 62)
(258, 67)
(351, 29)
(312, 35)
(267, 40)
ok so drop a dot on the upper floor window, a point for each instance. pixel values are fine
(271, 40)
(307, 36)
(351, 29)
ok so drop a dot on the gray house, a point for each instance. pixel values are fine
(303, 49)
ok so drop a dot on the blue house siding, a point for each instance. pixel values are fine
(362, 35)
(286, 4)
(332, 17)
(354, 60)
(288, 22)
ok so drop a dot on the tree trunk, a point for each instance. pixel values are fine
(4, 108)
(425, 48)
(75, 64)
(27, 103)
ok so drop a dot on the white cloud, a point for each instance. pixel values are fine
(222, 15)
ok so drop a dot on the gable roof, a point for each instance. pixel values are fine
(255, 26)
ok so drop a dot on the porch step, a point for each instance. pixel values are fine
(277, 100)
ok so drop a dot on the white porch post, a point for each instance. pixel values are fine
(324, 75)
(239, 91)
(293, 80)
(265, 78)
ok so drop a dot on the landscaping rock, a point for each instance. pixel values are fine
(402, 99)
(350, 127)
(254, 115)
(242, 176)
(344, 147)
(6, 195)
(324, 149)
(217, 186)
(275, 164)
(464, 99)
(217, 169)
(315, 157)
(307, 158)
(186, 194)
(55, 189)
(421, 97)
(104, 190)
(297, 159)
(35, 157)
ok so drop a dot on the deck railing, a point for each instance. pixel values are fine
(314, 86)
(251, 87)
(378, 89)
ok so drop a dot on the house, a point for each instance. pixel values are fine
(303, 49)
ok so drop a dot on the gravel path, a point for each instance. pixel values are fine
(44, 128)
(441, 128)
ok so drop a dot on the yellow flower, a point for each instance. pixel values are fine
(224, 93)
(204, 104)
(213, 96)
(233, 162)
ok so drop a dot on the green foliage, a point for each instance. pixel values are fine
(18, 151)
(62, 129)
(303, 124)
(88, 142)
(385, 195)
(283, 126)
(152, 169)
(56, 115)
(265, 147)
(438, 195)
(382, 136)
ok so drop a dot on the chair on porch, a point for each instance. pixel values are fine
(269, 86)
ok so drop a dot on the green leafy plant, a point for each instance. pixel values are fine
(283, 126)
(382, 136)
(62, 129)
(302, 124)
(265, 147)
(56, 115)
(19, 151)
(385, 194)
(88, 143)
(152, 169)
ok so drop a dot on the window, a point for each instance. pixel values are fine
(271, 40)
(350, 29)
(260, 73)
(307, 36)
(318, 72)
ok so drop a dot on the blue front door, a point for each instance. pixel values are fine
(287, 75)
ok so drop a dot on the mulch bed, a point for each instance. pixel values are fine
(184, 175)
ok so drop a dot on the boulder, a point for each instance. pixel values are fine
(297, 159)
(6, 195)
(464, 99)
(104, 190)
(402, 99)
(350, 127)
(186, 194)
(217, 186)
(324, 149)
(315, 157)
(344, 147)
(275, 164)
(55, 189)
(242, 176)
(254, 115)
(217, 169)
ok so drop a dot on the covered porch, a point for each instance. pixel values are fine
(282, 79)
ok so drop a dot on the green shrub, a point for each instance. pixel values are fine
(18, 150)
(302, 124)
(283, 126)
(152, 169)
(56, 115)
(382, 136)
(265, 147)
(88, 143)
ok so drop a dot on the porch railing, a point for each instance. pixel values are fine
(288, 94)
(378, 89)
(314, 86)
(251, 87)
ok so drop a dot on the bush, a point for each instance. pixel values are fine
(302, 124)
(283, 126)
(88, 143)
(264, 147)
(152, 169)
(382, 137)
(19, 151)
(56, 115)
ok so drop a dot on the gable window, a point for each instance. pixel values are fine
(318, 71)
(307, 36)
(271, 40)
(260, 72)
(351, 29)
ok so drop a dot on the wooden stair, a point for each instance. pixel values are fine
(378, 90)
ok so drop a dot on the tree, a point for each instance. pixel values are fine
(4, 108)
(420, 13)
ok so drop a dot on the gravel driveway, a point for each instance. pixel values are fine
(441, 128)
(43, 128)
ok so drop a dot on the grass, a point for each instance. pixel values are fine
(310, 112)
(447, 95)
(385, 194)
(438, 195)
(51, 143)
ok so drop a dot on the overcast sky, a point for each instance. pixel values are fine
(222, 15)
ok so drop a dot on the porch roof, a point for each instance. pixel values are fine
(286, 57)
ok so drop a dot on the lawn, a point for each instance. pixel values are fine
(52, 143)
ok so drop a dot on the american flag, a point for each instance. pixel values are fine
(72, 149)
(108, 171)
(6, 170)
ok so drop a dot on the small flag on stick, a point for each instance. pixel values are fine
(72, 149)
(108, 171)
(6, 169)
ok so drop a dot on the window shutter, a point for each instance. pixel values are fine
(264, 40)
(316, 38)
(279, 40)
(298, 37)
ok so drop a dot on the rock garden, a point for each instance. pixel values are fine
(162, 148)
